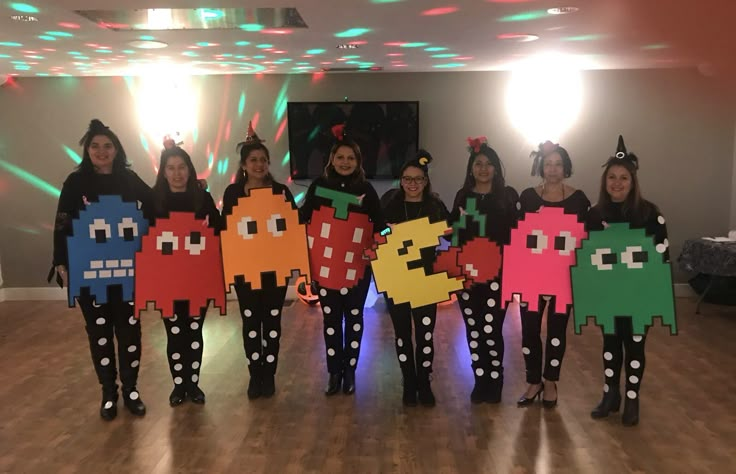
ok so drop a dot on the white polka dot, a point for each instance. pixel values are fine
(635, 364)
(356, 327)
(555, 342)
(399, 342)
(174, 330)
(606, 388)
(660, 219)
(428, 336)
(554, 363)
(197, 318)
(274, 312)
(471, 322)
(330, 352)
(402, 358)
(194, 326)
(105, 362)
(343, 291)
(355, 344)
(255, 356)
(178, 367)
(496, 363)
(660, 248)
(634, 379)
(134, 364)
(195, 377)
(195, 365)
(487, 329)
(176, 356)
(174, 318)
(273, 334)
(491, 342)
(468, 311)
(494, 353)
(491, 302)
(323, 292)
(270, 358)
(178, 380)
(355, 312)
(494, 374)
(465, 296)
(132, 348)
(489, 317)
(473, 344)
(247, 313)
(494, 286)
(326, 309)
(427, 350)
(474, 356)
(102, 341)
(608, 372)
(330, 331)
(474, 334)
(608, 356)
(426, 363)
(426, 321)
(518, 206)
(252, 334)
(108, 405)
(132, 321)
(631, 394)
(353, 361)
(479, 372)
(264, 343)
(195, 345)
(133, 395)
(637, 338)
(100, 322)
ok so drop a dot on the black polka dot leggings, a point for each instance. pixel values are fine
(424, 320)
(481, 309)
(184, 345)
(104, 323)
(614, 347)
(338, 305)
(531, 342)
(261, 314)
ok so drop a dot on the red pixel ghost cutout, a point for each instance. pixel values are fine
(179, 260)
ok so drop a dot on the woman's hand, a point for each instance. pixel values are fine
(61, 270)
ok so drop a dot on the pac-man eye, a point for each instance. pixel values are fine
(194, 243)
(634, 257)
(405, 247)
(276, 225)
(167, 242)
(247, 227)
(536, 241)
(99, 230)
(565, 243)
(128, 229)
(603, 259)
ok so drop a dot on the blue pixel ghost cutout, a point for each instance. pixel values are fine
(102, 248)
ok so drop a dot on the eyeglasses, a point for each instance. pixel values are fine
(415, 179)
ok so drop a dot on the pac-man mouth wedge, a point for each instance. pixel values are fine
(102, 247)
(620, 273)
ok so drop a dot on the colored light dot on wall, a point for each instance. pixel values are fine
(524, 16)
(251, 27)
(24, 8)
(47, 38)
(413, 45)
(352, 32)
(242, 43)
(435, 48)
(315, 51)
(10, 44)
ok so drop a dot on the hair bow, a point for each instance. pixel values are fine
(474, 144)
(339, 131)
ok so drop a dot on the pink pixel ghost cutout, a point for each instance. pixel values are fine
(537, 261)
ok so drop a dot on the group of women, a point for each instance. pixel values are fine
(104, 170)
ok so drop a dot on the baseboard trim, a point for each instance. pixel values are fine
(54, 294)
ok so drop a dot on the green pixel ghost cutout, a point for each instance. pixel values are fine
(621, 273)
(462, 223)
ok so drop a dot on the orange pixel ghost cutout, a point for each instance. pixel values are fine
(263, 236)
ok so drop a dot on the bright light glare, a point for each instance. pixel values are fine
(167, 102)
(544, 97)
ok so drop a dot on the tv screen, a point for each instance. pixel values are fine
(387, 133)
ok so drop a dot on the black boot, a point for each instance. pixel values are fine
(495, 387)
(426, 397)
(610, 403)
(133, 402)
(480, 390)
(195, 394)
(410, 388)
(334, 384)
(254, 386)
(268, 385)
(348, 381)
(109, 405)
(631, 412)
(177, 395)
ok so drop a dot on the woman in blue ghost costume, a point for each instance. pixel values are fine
(553, 164)
(620, 200)
(103, 171)
(257, 306)
(344, 172)
(481, 303)
(177, 190)
(415, 199)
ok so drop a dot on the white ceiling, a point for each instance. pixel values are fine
(602, 34)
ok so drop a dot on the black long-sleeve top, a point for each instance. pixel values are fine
(398, 210)
(370, 204)
(203, 207)
(651, 220)
(576, 203)
(237, 190)
(80, 186)
(501, 208)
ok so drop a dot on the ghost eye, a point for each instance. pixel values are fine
(99, 230)
(536, 241)
(405, 248)
(167, 243)
(634, 257)
(247, 227)
(603, 259)
(128, 229)
(276, 225)
(565, 243)
(194, 243)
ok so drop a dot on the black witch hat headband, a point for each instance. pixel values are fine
(622, 155)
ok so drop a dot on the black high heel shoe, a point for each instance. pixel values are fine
(133, 402)
(630, 416)
(177, 396)
(610, 403)
(109, 405)
(348, 382)
(195, 394)
(524, 401)
(550, 403)
(334, 384)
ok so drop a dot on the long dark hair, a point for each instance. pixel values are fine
(635, 208)
(161, 188)
(246, 150)
(498, 183)
(96, 128)
(358, 175)
(538, 169)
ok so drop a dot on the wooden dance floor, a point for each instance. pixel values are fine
(49, 403)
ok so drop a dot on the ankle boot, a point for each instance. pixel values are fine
(195, 394)
(334, 384)
(630, 416)
(268, 385)
(109, 405)
(133, 402)
(177, 395)
(480, 390)
(610, 403)
(410, 389)
(348, 381)
(426, 397)
(254, 386)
